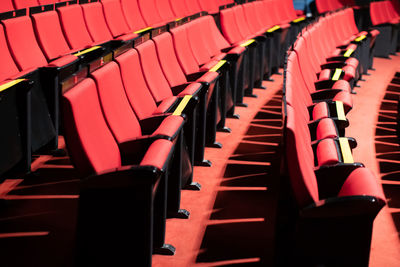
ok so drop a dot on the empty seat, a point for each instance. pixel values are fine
(96, 23)
(132, 15)
(116, 20)
(180, 8)
(6, 5)
(165, 10)
(348, 203)
(74, 27)
(149, 12)
(131, 186)
(18, 4)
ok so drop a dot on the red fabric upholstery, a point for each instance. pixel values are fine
(6, 5)
(168, 60)
(86, 129)
(18, 4)
(8, 68)
(49, 35)
(165, 10)
(362, 182)
(132, 15)
(96, 23)
(182, 48)
(180, 8)
(327, 152)
(74, 27)
(193, 6)
(22, 42)
(116, 108)
(152, 71)
(320, 111)
(149, 12)
(157, 154)
(116, 20)
(326, 129)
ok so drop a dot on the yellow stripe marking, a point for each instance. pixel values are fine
(276, 27)
(182, 105)
(143, 30)
(247, 43)
(179, 19)
(217, 66)
(6, 86)
(360, 38)
(337, 74)
(348, 52)
(87, 50)
(340, 110)
(299, 19)
(346, 151)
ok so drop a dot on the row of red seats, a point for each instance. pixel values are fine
(324, 6)
(385, 17)
(79, 35)
(150, 83)
(179, 9)
(335, 199)
(152, 87)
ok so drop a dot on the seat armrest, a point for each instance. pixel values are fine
(123, 177)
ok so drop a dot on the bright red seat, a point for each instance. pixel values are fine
(18, 4)
(6, 5)
(132, 15)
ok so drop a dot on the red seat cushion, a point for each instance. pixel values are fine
(327, 152)
(320, 111)
(326, 129)
(170, 126)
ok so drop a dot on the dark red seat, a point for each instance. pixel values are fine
(137, 186)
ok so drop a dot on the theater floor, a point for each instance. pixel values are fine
(232, 221)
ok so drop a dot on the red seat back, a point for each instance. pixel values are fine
(168, 59)
(96, 23)
(115, 17)
(8, 67)
(137, 91)
(117, 111)
(49, 34)
(18, 4)
(165, 10)
(74, 27)
(229, 26)
(132, 15)
(197, 42)
(180, 8)
(149, 12)
(89, 141)
(23, 44)
(182, 49)
(6, 5)
(153, 73)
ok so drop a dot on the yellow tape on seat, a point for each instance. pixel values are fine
(143, 30)
(276, 27)
(217, 66)
(337, 74)
(299, 19)
(10, 84)
(346, 151)
(340, 110)
(247, 43)
(178, 19)
(348, 52)
(182, 105)
(87, 50)
(360, 38)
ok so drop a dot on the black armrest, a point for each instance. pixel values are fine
(150, 124)
(132, 151)
(333, 65)
(123, 177)
(326, 94)
(348, 206)
(194, 76)
(332, 177)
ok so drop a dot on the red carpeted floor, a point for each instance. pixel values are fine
(232, 221)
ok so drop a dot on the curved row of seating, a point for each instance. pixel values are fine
(335, 200)
(141, 96)
(181, 8)
(385, 17)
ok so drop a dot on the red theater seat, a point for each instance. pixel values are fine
(18, 4)
(6, 5)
